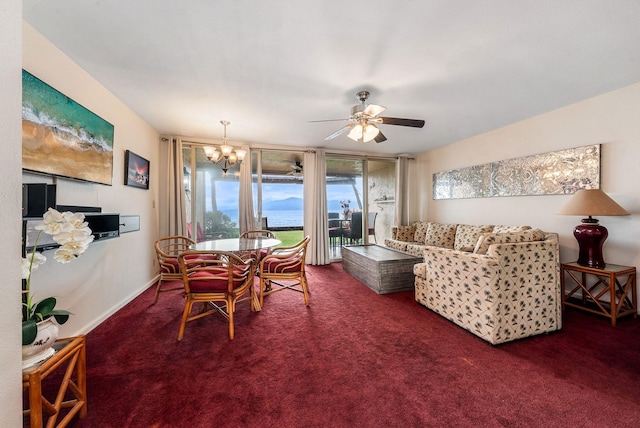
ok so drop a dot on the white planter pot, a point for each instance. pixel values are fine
(41, 348)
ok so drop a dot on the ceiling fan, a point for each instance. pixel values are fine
(363, 121)
(296, 169)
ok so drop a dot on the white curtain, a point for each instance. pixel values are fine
(172, 213)
(315, 207)
(246, 215)
(402, 212)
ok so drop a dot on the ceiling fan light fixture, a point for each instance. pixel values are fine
(370, 132)
(356, 133)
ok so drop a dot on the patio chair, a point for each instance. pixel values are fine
(371, 225)
(354, 232)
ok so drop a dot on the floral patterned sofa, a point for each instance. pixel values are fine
(416, 238)
(507, 288)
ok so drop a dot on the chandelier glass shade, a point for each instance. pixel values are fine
(225, 156)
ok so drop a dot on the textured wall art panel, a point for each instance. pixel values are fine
(554, 173)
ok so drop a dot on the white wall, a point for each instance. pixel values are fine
(610, 120)
(112, 271)
(10, 202)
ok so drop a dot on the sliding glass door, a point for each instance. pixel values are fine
(360, 195)
(212, 197)
(359, 213)
(278, 179)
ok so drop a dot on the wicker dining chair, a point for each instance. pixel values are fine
(284, 269)
(167, 251)
(215, 276)
(257, 234)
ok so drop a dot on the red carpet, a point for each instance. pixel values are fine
(353, 359)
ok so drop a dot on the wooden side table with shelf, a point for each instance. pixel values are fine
(72, 393)
(608, 291)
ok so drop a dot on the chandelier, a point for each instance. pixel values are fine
(227, 157)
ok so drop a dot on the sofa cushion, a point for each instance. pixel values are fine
(396, 244)
(509, 229)
(421, 231)
(415, 249)
(467, 236)
(405, 233)
(487, 239)
(441, 235)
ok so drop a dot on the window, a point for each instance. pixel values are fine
(212, 197)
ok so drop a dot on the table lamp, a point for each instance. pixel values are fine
(591, 235)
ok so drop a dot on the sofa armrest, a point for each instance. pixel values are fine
(452, 268)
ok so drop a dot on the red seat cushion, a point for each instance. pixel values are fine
(192, 257)
(202, 282)
(173, 266)
(170, 266)
(289, 265)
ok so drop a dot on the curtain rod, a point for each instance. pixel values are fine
(343, 153)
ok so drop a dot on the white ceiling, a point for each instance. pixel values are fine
(270, 67)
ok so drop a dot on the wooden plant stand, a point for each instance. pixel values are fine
(71, 355)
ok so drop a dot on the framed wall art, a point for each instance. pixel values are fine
(561, 172)
(61, 137)
(136, 170)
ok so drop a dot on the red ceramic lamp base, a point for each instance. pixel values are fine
(590, 236)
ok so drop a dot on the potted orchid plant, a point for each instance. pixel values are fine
(73, 235)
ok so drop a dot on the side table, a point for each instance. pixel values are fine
(610, 291)
(71, 356)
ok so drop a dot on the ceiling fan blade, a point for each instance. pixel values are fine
(373, 110)
(339, 132)
(415, 123)
(380, 138)
(329, 120)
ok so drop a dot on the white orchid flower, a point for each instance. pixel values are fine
(64, 255)
(28, 266)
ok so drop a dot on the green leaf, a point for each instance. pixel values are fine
(29, 332)
(61, 316)
(45, 307)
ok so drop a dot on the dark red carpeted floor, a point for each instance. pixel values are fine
(354, 359)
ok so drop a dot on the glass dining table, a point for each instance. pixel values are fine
(235, 245)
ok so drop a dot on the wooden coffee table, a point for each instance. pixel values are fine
(380, 268)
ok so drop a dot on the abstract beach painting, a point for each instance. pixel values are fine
(61, 137)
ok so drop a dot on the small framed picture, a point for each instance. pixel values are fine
(136, 170)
